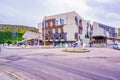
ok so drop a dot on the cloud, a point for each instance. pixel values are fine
(29, 12)
(105, 11)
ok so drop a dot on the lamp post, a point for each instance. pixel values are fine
(44, 24)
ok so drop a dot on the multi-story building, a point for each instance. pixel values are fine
(104, 34)
(67, 27)
(70, 27)
(118, 32)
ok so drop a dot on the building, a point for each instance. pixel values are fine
(64, 28)
(32, 38)
(118, 32)
(104, 34)
(70, 28)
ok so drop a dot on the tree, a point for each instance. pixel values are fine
(86, 35)
(9, 41)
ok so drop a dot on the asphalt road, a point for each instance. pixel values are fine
(53, 64)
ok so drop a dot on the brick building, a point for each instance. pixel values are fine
(70, 28)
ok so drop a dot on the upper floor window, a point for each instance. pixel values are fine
(62, 21)
(48, 31)
(59, 30)
(46, 24)
(51, 23)
(53, 30)
(43, 24)
(56, 22)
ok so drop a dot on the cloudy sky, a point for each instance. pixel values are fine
(31, 12)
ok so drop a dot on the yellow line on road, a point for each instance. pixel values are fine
(13, 74)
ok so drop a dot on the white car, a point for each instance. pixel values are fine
(116, 46)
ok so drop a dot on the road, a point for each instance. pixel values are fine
(54, 64)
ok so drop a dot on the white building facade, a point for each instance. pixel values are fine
(70, 28)
(104, 34)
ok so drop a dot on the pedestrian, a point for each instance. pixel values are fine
(90, 44)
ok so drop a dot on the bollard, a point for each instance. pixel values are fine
(74, 49)
(84, 46)
(97, 46)
(66, 47)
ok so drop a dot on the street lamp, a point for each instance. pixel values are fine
(44, 24)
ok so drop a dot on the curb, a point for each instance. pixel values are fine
(76, 51)
(13, 74)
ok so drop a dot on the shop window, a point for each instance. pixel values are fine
(51, 37)
(56, 37)
(61, 37)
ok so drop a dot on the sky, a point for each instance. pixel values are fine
(31, 12)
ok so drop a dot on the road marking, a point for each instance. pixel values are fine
(13, 74)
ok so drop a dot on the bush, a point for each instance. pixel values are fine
(9, 41)
(86, 36)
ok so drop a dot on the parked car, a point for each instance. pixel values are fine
(116, 46)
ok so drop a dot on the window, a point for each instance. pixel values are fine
(56, 37)
(59, 30)
(48, 31)
(53, 30)
(51, 37)
(43, 24)
(46, 24)
(51, 23)
(61, 37)
(62, 21)
(56, 22)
